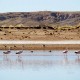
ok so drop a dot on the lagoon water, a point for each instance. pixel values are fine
(40, 65)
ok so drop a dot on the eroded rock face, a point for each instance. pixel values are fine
(64, 18)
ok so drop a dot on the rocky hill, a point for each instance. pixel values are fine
(38, 18)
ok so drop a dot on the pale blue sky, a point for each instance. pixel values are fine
(39, 5)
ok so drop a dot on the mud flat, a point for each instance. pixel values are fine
(39, 45)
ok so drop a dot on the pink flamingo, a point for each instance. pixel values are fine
(65, 52)
(77, 52)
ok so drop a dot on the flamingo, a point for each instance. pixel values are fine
(65, 52)
(19, 52)
(7, 52)
(77, 52)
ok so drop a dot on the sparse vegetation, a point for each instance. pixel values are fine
(40, 25)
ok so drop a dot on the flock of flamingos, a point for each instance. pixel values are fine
(76, 52)
(21, 51)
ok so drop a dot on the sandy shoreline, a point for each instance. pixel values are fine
(39, 47)
(39, 42)
(34, 39)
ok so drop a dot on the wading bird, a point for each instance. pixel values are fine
(7, 52)
(77, 52)
(19, 52)
(65, 52)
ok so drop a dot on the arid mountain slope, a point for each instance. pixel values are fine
(38, 18)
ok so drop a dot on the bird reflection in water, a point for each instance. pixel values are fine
(77, 60)
(65, 60)
(6, 58)
(19, 61)
(25, 61)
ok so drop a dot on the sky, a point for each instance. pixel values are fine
(39, 5)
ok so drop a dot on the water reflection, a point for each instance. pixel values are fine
(37, 61)
(40, 65)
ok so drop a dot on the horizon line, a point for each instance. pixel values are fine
(40, 11)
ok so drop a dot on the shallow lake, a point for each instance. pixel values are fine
(40, 65)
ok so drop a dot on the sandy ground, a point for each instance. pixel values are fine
(44, 35)
(39, 47)
(34, 34)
